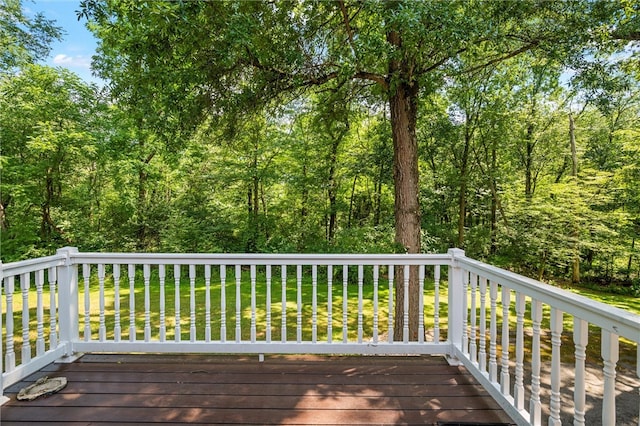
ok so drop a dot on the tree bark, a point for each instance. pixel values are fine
(406, 206)
(403, 105)
(574, 150)
(528, 163)
(253, 206)
(333, 190)
(575, 265)
(462, 196)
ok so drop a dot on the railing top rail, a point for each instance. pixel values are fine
(608, 317)
(31, 265)
(262, 259)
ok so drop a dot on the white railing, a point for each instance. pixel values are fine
(537, 314)
(471, 312)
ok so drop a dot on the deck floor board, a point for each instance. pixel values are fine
(293, 390)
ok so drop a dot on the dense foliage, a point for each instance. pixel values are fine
(527, 134)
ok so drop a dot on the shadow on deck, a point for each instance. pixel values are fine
(301, 390)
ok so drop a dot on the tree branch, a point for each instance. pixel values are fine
(626, 35)
(377, 78)
(502, 58)
(347, 24)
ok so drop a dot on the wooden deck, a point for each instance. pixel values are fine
(300, 390)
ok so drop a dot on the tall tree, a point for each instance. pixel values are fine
(48, 138)
(222, 58)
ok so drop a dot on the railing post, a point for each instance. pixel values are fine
(610, 356)
(3, 398)
(68, 300)
(456, 306)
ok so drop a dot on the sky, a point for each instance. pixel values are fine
(77, 46)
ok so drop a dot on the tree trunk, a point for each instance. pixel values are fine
(351, 201)
(406, 208)
(141, 232)
(4, 204)
(46, 223)
(630, 261)
(403, 105)
(253, 207)
(574, 150)
(528, 163)
(302, 245)
(575, 266)
(462, 196)
(377, 199)
(333, 191)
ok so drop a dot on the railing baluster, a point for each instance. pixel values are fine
(117, 329)
(102, 328)
(146, 271)
(132, 306)
(610, 356)
(299, 303)
(10, 355)
(482, 354)
(390, 307)
(192, 303)
(283, 319)
(505, 376)
(253, 303)
(493, 332)
(39, 277)
(268, 304)
(3, 398)
(465, 312)
(405, 310)
(436, 303)
(223, 303)
(238, 304)
(580, 339)
(345, 301)
(314, 304)
(25, 283)
(556, 334)
(421, 304)
(163, 326)
(132, 303)
(360, 301)
(518, 390)
(176, 279)
(86, 275)
(535, 406)
(376, 275)
(53, 310)
(473, 348)
(329, 303)
(207, 303)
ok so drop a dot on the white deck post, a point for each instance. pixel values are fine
(580, 339)
(456, 296)
(3, 398)
(556, 334)
(610, 356)
(68, 300)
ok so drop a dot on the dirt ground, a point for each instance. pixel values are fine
(627, 395)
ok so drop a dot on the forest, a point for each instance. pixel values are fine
(508, 129)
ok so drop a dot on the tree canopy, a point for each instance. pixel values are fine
(23, 39)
